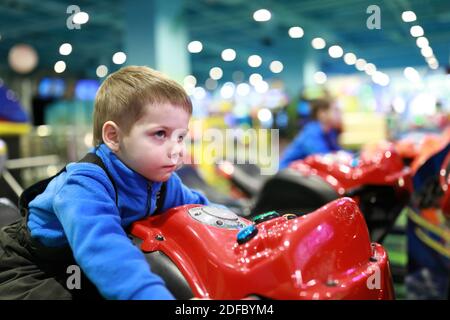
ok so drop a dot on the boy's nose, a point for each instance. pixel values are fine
(175, 152)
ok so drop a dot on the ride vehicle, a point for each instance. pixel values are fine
(210, 252)
(428, 232)
(376, 179)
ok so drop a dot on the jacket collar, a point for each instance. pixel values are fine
(130, 184)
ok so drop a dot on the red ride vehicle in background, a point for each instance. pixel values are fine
(377, 180)
(444, 180)
(428, 233)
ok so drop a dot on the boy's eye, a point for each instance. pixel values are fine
(160, 134)
(181, 138)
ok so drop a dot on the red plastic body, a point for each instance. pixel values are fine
(445, 185)
(379, 166)
(326, 254)
(419, 151)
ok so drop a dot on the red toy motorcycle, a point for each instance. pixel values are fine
(210, 252)
(377, 180)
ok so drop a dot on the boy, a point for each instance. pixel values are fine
(140, 120)
(318, 136)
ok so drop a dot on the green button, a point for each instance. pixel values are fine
(265, 216)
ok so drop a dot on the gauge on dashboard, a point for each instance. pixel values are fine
(218, 217)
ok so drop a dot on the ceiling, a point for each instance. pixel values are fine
(221, 24)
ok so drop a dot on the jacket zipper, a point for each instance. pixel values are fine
(149, 198)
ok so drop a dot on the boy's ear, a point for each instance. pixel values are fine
(110, 135)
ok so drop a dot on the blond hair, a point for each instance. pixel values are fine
(124, 94)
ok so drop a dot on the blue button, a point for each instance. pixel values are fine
(246, 234)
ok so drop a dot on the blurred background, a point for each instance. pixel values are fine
(383, 65)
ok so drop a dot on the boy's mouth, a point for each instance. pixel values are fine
(170, 167)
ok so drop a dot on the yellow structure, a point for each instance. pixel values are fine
(361, 128)
(13, 128)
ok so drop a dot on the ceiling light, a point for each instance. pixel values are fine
(216, 73)
(296, 32)
(65, 49)
(427, 52)
(262, 15)
(360, 64)
(255, 78)
(349, 58)
(318, 43)
(434, 66)
(227, 90)
(411, 74)
(60, 66)
(189, 80)
(320, 77)
(408, 16)
(254, 61)
(119, 57)
(195, 46)
(370, 69)
(80, 18)
(335, 51)
(276, 66)
(422, 42)
(101, 71)
(228, 55)
(416, 31)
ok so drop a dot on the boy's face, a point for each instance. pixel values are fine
(154, 147)
(326, 117)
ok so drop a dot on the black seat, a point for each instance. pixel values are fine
(381, 206)
(247, 177)
(288, 191)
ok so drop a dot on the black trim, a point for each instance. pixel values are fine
(39, 187)
(95, 159)
(160, 197)
(32, 192)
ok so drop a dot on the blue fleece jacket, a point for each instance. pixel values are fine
(311, 140)
(78, 208)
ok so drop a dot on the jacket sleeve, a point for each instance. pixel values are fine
(86, 208)
(178, 194)
(296, 150)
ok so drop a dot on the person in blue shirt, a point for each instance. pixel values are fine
(318, 136)
(140, 120)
